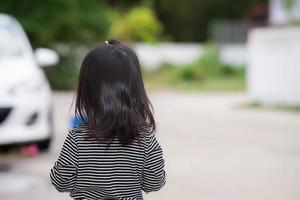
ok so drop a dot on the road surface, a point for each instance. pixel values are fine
(214, 150)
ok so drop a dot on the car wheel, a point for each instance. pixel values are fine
(44, 144)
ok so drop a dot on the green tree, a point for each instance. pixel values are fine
(188, 20)
(139, 24)
(47, 22)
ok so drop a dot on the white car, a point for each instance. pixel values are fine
(25, 94)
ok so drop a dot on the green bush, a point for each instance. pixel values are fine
(207, 66)
(187, 73)
(64, 75)
(207, 73)
(139, 24)
(211, 56)
(228, 71)
(47, 22)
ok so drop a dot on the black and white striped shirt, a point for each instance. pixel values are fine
(90, 170)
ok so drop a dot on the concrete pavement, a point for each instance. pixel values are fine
(214, 150)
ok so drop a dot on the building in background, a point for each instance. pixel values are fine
(273, 75)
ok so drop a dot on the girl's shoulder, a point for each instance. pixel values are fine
(79, 130)
(149, 138)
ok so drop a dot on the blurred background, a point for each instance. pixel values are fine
(223, 76)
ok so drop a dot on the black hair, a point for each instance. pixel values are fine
(111, 97)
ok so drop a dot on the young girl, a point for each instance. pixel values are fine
(113, 153)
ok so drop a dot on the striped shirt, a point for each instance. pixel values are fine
(89, 170)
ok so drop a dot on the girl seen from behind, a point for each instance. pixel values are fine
(113, 153)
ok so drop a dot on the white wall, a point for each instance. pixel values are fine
(152, 56)
(273, 75)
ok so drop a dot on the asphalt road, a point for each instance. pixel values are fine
(214, 150)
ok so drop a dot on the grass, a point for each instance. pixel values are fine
(166, 78)
(230, 84)
(207, 73)
(280, 107)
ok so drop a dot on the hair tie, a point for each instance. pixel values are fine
(106, 42)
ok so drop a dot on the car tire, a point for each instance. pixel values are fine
(44, 144)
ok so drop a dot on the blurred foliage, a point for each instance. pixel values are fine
(51, 21)
(48, 22)
(208, 65)
(88, 23)
(288, 4)
(63, 76)
(139, 24)
(189, 20)
(186, 73)
(206, 73)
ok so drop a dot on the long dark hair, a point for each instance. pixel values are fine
(111, 97)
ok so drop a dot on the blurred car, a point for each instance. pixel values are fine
(25, 94)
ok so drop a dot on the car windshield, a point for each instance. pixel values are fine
(9, 45)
